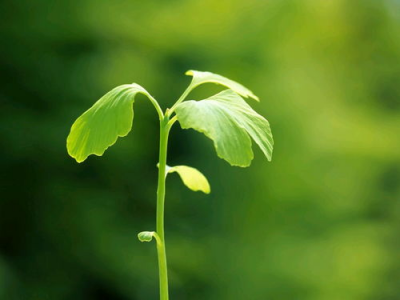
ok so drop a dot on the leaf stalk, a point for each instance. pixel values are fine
(181, 98)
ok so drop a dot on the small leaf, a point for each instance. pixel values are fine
(192, 178)
(203, 77)
(146, 236)
(230, 122)
(101, 125)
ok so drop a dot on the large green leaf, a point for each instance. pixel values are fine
(101, 125)
(192, 178)
(203, 77)
(230, 122)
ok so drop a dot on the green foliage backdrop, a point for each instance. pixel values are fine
(320, 222)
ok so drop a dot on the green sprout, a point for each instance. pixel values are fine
(225, 118)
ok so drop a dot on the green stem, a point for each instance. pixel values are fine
(165, 126)
(181, 98)
(157, 107)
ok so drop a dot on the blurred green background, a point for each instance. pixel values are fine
(321, 222)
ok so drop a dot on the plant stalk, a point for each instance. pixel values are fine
(181, 98)
(162, 257)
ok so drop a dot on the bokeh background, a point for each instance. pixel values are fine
(321, 222)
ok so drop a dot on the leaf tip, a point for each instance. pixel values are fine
(189, 73)
(269, 157)
(79, 161)
(73, 155)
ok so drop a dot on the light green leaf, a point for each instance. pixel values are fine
(101, 125)
(192, 178)
(146, 236)
(230, 122)
(203, 77)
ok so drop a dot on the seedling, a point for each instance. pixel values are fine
(225, 118)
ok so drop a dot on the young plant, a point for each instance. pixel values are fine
(225, 118)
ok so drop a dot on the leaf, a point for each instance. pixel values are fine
(203, 77)
(192, 178)
(101, 125)
(146, 236)
(230, 122)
